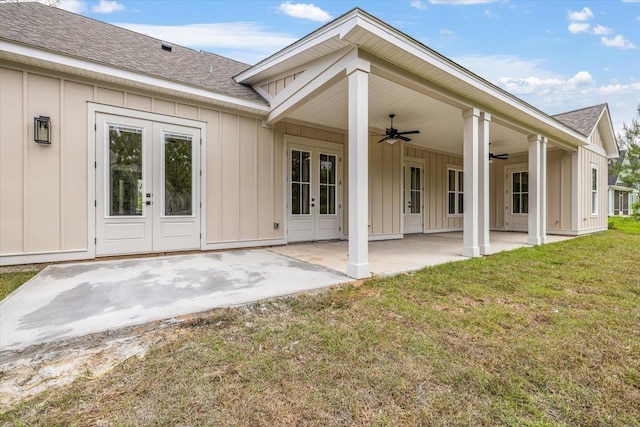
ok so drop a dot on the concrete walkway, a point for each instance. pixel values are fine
(71, 300)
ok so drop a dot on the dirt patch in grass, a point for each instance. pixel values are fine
(537, 336)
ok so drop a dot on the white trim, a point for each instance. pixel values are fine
(312, 142)
(596, 149)
(239, 244)
(442, 230)
(118, 75)
(42, 257)
(578, 232)
(457, 169)
(592, 192)
(378, 237)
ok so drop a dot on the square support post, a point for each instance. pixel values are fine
(535, 185)
(358, 76)
(483, 187)
(543, 190)
(470, 246)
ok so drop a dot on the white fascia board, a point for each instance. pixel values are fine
(413, 47)
(329, 31)
(124, 76)
(610, 138)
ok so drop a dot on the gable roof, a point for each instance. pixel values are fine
(583, 120)
(589, 119)
(56, 30)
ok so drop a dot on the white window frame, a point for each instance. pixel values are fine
(459, 178)
(594, 191)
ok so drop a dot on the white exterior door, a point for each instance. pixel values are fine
(147, 186)
(314, 178)
(413, 197)
(517, 199)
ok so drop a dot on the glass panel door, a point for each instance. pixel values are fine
(416, 184)
(328, 193)
(125, 181)
(520, 193)
(178, 175)
(300, 182)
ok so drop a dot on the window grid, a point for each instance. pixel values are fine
(594, 189)
(455, 199)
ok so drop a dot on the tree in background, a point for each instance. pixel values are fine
(629, 171)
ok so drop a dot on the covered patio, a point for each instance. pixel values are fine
(414, 252)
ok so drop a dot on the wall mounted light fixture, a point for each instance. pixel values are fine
(42, 130)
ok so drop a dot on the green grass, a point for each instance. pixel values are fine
(627, 225)
(9, 282)
(539, 336)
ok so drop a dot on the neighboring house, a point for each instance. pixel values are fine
(621, 196)
(157, 148)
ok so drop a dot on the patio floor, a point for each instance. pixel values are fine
(413, 252)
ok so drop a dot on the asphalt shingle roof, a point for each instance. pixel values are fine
(56, 30)
(582, 120)
(613, 179)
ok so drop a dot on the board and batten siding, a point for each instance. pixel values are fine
(436, 217)
(588, 156)
(385, 186)
(43, 189)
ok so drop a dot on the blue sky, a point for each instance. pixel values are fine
(556, 55)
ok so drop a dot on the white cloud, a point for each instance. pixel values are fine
(601, 30)
(551, 92)
(418, 5)
(243, 41)
(106, 6)
(75, 6)
(463, 2)
(618, 42)
(446, 31)
(584, 15)
(304, 11)
(578, 27)
(490, 14)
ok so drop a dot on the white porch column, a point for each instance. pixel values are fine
(358, 75)
(535, 187)
(543, 190)
(483, 184)
(471, 152)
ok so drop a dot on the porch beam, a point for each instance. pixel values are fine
(358, 76)
(483, 184)
(471, 161)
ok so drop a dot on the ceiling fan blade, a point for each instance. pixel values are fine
(404, 138)
(409, 132)
(383, 139)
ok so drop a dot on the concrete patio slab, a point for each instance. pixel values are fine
(414, 252)
(76, 299)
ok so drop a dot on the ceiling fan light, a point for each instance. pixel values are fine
(391, 141)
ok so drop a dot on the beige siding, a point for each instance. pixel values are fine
(43, 189)
(274, 87)
(558, 190)
(436, 182)
(596, 139)
(385, 171)
(586, 219)
(12, 158)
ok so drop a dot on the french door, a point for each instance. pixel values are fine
(413, 197)
(517, 200)
(314, 181)
(147, 186)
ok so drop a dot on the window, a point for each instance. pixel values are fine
(455, 194)
(594, 189)
(328, 193)
(520, 193)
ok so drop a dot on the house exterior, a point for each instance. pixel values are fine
(622, 197)
(159, 148)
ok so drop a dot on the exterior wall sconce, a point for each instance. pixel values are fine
(42, 130)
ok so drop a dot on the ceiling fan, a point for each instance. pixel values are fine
(392, 135)
(493, 157)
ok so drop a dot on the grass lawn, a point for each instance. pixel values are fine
(625, 224)
(9, 282)
(548, 335)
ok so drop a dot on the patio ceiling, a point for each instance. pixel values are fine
(439, 123)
